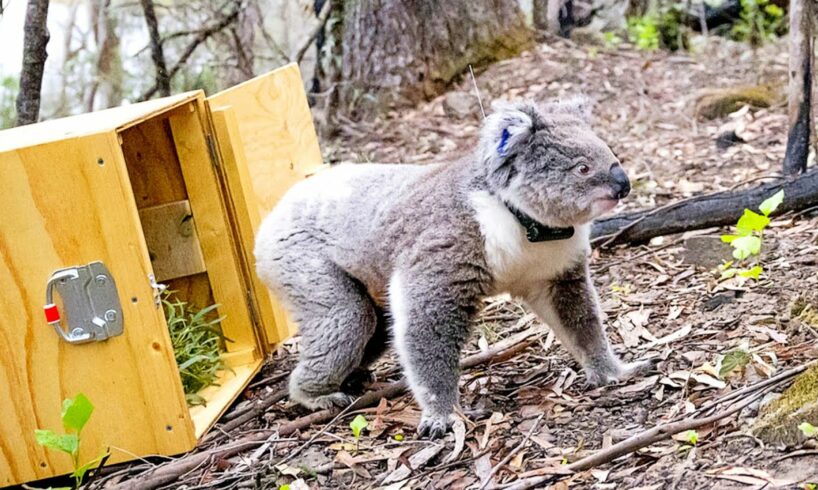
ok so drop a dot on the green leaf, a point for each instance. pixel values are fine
(774, 10)
(728, 238)
(753, 272)
(728, 273)
(398, 437)
(808, 429)
(745, 246)
(692, 437)
(733, 360)
(67, 443)
(76, 412)
(286, 486)
(358, 424)
(82, 470)
(751, 221)
(771, 203)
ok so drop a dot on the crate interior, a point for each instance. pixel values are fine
(151, 149)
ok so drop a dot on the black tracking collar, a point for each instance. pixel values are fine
(538, 232)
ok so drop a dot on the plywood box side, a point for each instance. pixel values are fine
(270, 312)
(276, 130)
(213, 226)
(69, 203)
(107, 120)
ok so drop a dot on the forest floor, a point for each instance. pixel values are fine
(661, 299)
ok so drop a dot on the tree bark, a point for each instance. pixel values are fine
(800, 87)
(719, 209)
(106, 90)
(157, 53)
(398, 50)
(34, 56)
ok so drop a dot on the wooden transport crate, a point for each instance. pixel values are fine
(170, 190)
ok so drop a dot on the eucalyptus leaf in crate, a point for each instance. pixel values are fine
(197, 345)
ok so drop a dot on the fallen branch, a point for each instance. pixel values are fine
(241, 417)
(664, 431)
(712, 210)
(171, 471)
(511, 453)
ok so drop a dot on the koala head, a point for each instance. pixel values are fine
(547, 162)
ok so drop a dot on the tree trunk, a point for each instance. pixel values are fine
(800, 87)
(157, 53)
(106, 90)
(34, 56)
(243, 33)
(398, 50)
(719, 209)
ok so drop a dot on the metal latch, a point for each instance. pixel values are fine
(90, 301)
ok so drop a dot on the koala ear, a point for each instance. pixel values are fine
(504, 131)
(577, 106)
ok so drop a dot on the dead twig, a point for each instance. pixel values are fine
(641, 440)
(511, 453)
(170, 472)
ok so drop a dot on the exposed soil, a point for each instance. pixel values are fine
(657, 303)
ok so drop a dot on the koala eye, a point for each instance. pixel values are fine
(583, 169)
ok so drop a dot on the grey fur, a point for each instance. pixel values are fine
(339, 243)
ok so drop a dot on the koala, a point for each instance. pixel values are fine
(364, 254)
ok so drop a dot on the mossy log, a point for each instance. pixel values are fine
(716, 103)
(780, 419)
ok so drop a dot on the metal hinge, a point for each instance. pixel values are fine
(211, 149)
(158, 289)
(90, 300)
(251, 302)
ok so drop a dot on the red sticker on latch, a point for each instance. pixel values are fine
(52, 314)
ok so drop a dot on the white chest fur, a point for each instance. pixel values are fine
(517, 264)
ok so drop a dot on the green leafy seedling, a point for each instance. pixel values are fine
(358, 424)
(286, 486)
(811, 486)
(75, 414)
(748, 238)
(808, 429)
(398, 437)
(692, 437)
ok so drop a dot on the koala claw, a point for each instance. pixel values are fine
(637, 368)
(332, 400)
(598, 377)
(433, 426)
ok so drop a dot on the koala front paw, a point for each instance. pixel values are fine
(609, 375)
(638, 368)
(434, 426)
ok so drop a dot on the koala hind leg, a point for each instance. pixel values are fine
(377, 345)
(336, 319)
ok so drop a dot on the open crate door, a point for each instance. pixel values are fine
(267, 143)
(65, 205)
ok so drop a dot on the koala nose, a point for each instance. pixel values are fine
(619, 182)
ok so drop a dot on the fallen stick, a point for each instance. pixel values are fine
(169, 472)
(641, 440)
(246, 415)
(511, 453)
(706, 211)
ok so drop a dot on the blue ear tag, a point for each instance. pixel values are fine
(501, 148)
